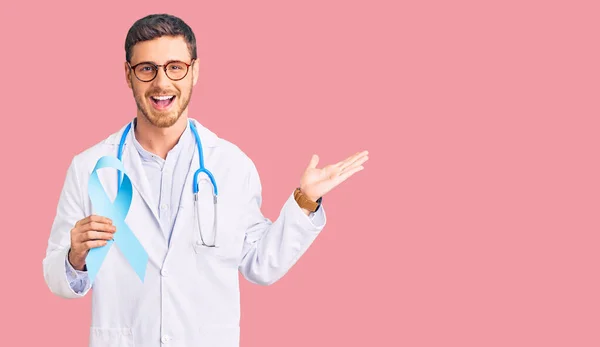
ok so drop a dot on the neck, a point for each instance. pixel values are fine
(157, 140)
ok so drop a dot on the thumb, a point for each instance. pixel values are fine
(313, 161)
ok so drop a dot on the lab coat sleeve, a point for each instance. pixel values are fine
(271, 248)
(69, 211)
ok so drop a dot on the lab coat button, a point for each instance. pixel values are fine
(164, 272)
(164, 206)
(164, 339)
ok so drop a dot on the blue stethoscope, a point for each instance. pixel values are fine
(195, 186)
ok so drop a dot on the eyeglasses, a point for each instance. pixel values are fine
(146, 71)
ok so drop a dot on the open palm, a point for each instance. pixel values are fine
(315, 182)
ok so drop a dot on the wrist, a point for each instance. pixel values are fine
(306, 202)
(309, 197)
(78, 265)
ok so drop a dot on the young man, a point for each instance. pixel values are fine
(163, 261)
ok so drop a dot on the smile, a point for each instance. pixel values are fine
(162, 102)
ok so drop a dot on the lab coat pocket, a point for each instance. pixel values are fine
(111, 337)
(223, 249)
(228, 244)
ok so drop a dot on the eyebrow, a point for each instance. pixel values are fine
(153, 62)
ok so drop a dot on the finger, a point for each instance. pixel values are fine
(353, 166)
(97, 226)
(356, 160)
(359, 161)
(342, 162)
(82, 221)
(346, 174)
(313, 161)
(96, 235)
(351, 159)
(94, 244)
(94, 218)
(100, 219)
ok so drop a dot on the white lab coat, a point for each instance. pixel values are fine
(190, 296)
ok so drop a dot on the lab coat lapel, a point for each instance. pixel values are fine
(186, 199)
(137, 175)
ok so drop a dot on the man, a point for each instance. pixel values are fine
(188, 292)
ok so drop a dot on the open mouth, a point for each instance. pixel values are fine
(162, 102)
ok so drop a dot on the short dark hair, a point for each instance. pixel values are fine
(156, 25)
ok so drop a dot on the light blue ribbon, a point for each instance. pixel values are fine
(129, 245)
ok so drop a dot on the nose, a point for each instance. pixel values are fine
(161, 80)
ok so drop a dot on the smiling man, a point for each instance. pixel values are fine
(191, 204)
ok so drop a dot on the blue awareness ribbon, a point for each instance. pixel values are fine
(125, 239)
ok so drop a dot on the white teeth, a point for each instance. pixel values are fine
(162, 97)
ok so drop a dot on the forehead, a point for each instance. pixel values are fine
(160, 50)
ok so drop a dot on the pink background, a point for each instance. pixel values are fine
(474, 223)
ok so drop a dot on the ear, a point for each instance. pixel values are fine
(196, 70)
(128, 75)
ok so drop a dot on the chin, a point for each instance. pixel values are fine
(163, 120)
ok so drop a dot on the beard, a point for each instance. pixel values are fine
(162, 119)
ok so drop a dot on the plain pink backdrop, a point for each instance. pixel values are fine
(474, 223)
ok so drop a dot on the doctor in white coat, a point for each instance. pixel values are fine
(190, 293)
